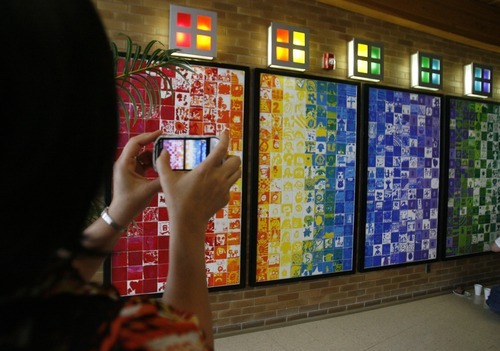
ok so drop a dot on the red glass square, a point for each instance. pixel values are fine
(183, 40)
(184, 20)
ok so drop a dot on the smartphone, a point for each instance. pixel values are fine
(186, 152)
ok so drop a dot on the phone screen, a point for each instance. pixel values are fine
(185, 153)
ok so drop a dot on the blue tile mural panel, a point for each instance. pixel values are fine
(403, 177)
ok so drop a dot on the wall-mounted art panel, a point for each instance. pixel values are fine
(403, 145)
(305, 166)
(204, 102)
(473, 220)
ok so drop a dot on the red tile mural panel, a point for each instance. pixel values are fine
(204, 102)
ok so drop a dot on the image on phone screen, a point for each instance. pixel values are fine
(185, 153)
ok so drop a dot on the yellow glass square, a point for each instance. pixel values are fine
(299, 56)
(203, 42)
(299, 38)
(362, 50)
(363, 66)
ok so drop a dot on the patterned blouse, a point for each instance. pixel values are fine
(70, 314)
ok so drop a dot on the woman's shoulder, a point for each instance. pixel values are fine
(149, 323)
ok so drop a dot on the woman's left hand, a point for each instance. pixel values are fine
(132, 191)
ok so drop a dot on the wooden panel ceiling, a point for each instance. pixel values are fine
(472, 22)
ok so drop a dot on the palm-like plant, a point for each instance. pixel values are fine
(139, 75)
(138, 71)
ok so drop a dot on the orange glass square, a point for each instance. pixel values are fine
(282, 54)
(282, 36)
(204, 23)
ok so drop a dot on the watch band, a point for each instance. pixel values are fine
(110, 221)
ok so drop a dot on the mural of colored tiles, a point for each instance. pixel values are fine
(205, 102)
(403, 174)
(306, 177)
(473, 220)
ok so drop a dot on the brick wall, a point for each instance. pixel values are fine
(242, 40)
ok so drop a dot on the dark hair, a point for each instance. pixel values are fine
(58, 130)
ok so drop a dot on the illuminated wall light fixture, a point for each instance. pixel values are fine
(478, 80)
(365, 60)
(194, 32)
(287, 47)
(426, 71)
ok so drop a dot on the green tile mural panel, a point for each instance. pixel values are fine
(474, 177)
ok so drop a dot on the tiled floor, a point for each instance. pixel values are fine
(444, 322)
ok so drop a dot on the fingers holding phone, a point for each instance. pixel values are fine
(185, 152)
(206, 187)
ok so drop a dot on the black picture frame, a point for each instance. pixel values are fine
(304, 177)
(472, 220)
(400, 218)
(214, 97)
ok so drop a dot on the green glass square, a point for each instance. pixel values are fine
(425, 62)
(425, 77)
(375, 52)
(375, 68)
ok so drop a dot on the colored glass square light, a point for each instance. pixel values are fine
(426, 71)
(366, 60)
(478, 80)
(194, 32)
(288, 47)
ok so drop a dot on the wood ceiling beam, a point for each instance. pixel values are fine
(465, 21)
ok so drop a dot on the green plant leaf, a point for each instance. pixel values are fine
(141, 69)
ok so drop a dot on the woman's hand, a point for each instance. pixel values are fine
(132, 191)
